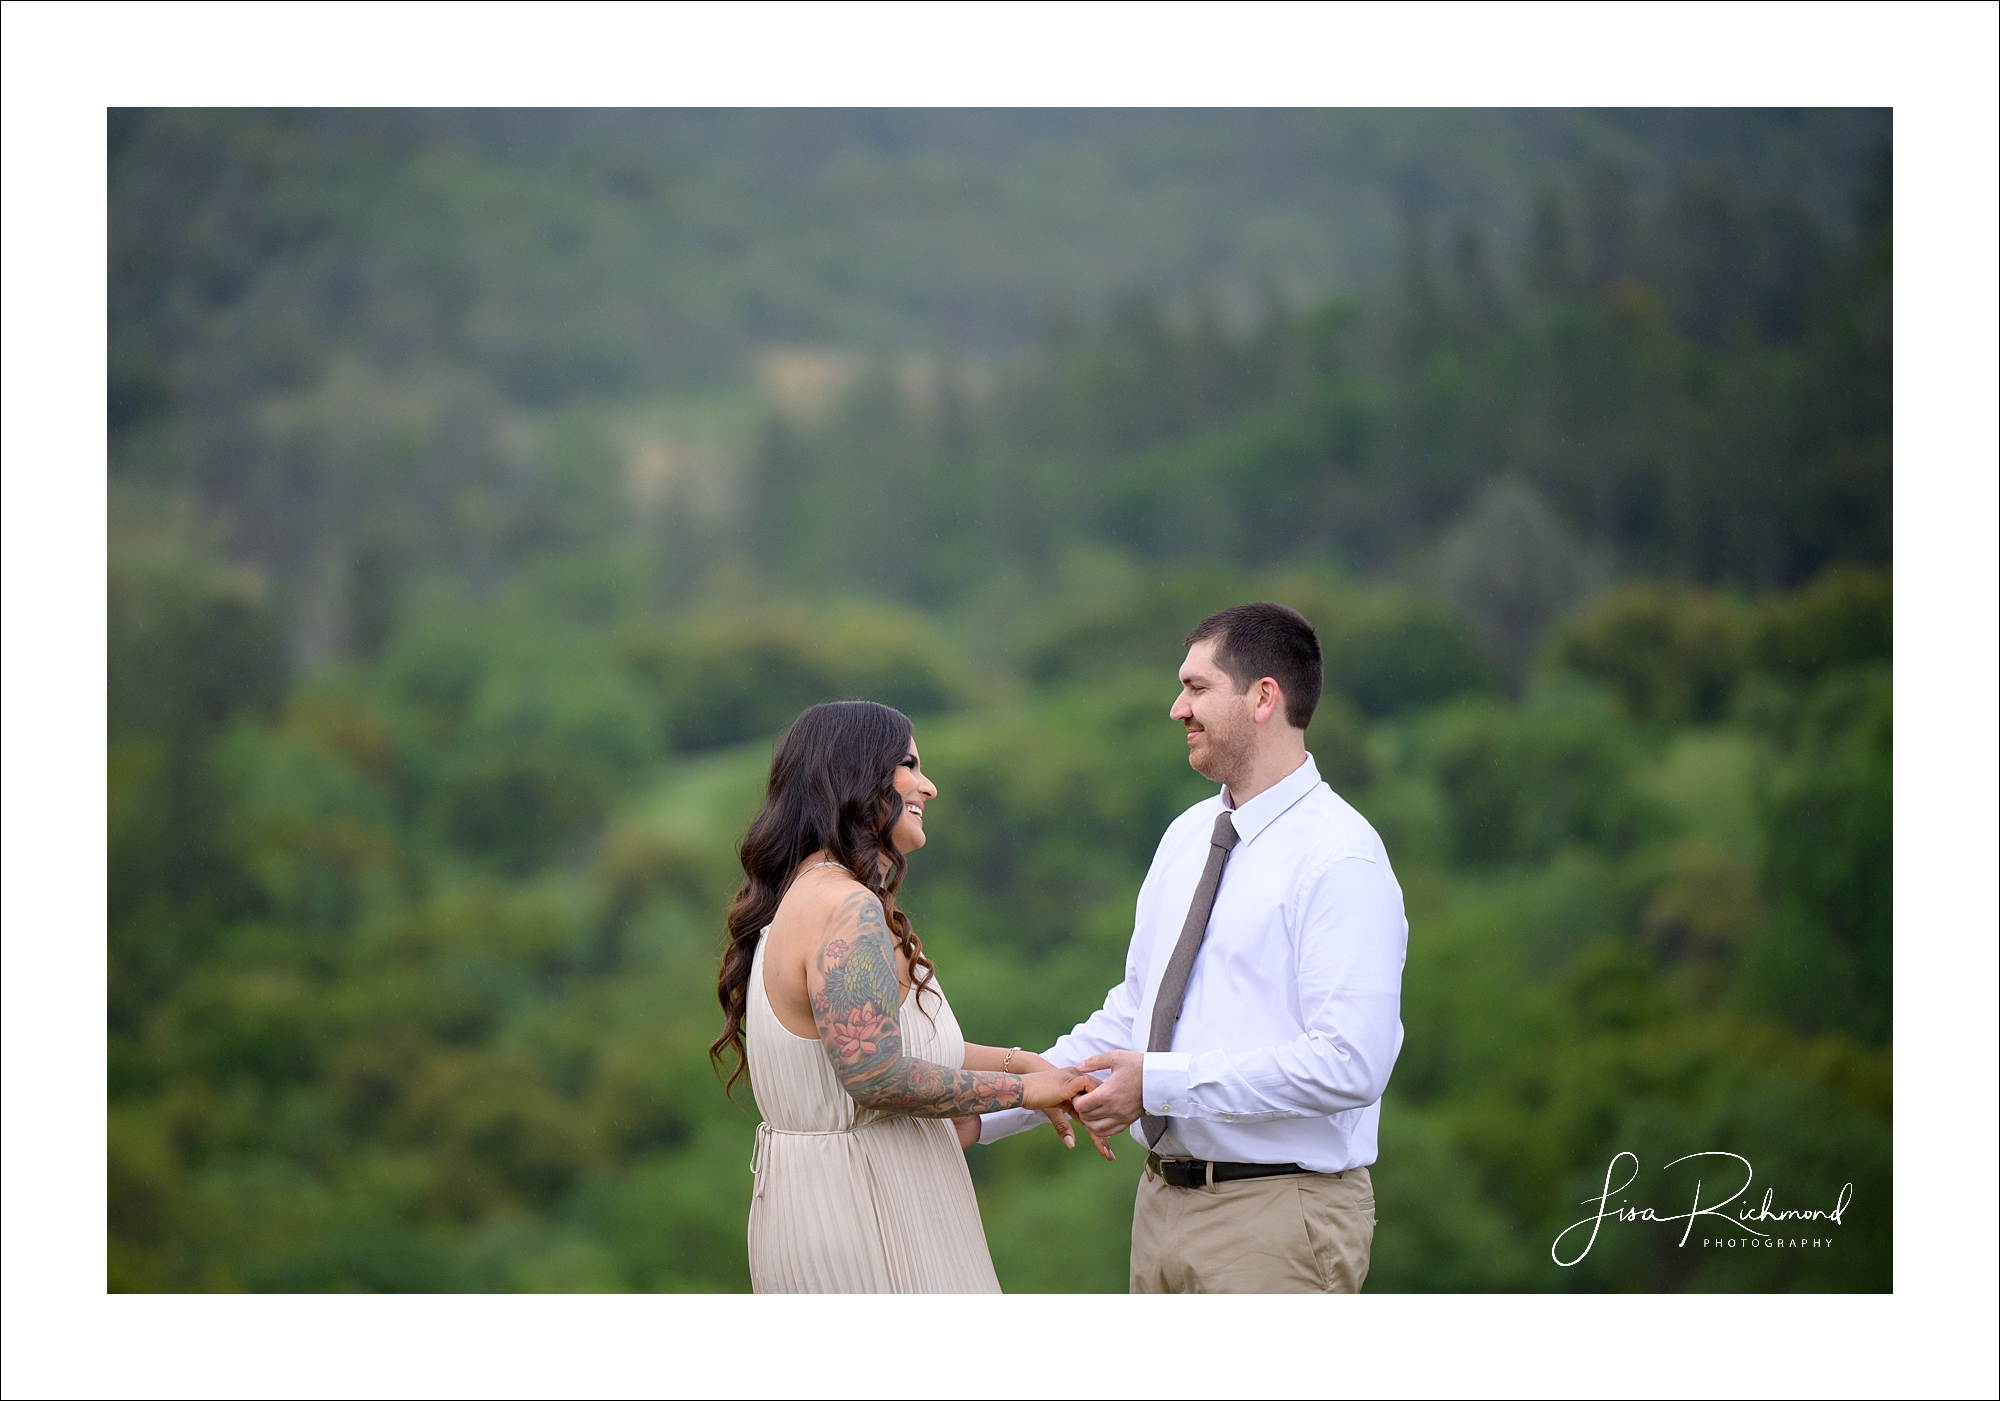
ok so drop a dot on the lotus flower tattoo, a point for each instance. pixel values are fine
(860, 1032)
(856, 1008)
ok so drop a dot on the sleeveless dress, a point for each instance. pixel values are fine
(850, 1200)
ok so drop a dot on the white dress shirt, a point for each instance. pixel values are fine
(1291, 1021)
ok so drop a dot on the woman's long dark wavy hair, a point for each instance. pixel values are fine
(832, 788)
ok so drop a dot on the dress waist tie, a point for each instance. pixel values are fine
(764, 1131)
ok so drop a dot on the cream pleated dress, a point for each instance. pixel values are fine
(850, 1200)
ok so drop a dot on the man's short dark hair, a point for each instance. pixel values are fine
(1255, 640)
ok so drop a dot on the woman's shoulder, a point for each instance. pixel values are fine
(818, 903)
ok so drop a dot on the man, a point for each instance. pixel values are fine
(1259, 1017)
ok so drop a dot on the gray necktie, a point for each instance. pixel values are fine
(1173, 986)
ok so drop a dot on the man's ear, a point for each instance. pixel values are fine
(1270, 700)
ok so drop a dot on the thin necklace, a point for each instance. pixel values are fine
(817, 864)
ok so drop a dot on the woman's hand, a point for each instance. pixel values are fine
(1066, 1082)
(1068, 1133)
(966, 1126)
(1028, 1063)
(1052, 1089)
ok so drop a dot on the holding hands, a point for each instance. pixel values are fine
(1118, 1093)
(1054, 1090)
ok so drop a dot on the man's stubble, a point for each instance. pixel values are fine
(1232, 752)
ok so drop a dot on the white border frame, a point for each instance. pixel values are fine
(63, 65)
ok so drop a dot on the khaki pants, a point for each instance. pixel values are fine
(1308, 1233)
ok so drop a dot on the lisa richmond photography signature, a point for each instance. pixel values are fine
(1741, 1225)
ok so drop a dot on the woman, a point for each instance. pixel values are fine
(854, 1056)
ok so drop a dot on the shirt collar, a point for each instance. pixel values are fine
(1264, 809)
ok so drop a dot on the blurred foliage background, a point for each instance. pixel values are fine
(488, 489)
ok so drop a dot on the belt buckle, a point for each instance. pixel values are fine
(1184, 1172)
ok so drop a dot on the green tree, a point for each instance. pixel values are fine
(1670, 656)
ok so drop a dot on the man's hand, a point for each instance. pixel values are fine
(1115, 1103)
(967, 1128)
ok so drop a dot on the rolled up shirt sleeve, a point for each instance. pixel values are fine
(1351, 938)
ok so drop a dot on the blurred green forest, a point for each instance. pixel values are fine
(487, 490)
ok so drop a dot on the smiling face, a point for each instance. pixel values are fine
(914, 790)
(1220, 720)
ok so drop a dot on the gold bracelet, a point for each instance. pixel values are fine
(1008, 1059)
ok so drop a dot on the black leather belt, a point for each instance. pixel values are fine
(1195, 1172)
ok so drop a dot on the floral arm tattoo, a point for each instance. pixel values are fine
(856, 1010)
